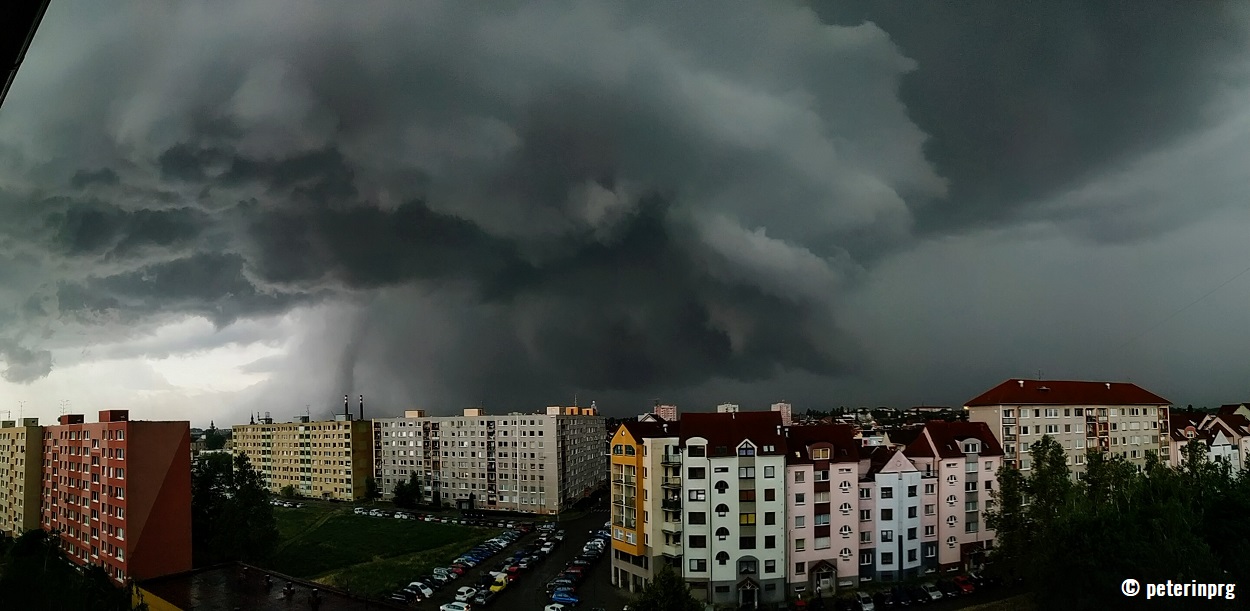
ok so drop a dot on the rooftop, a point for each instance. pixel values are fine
(232, 586)
(1066, 392)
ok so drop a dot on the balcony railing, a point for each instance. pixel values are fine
(671, 459)
(671, 482)
(671, 504)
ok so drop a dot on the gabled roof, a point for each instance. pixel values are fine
(840, 436)
(943, 439)
(729, 430)
(643, 430)
(1063, 392)
(904, 436)
(1178, 422)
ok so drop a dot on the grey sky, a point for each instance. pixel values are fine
(215, 208)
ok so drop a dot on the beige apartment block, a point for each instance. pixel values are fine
(530, 462)
(325, 459)
(1118, 418)
(20, 473)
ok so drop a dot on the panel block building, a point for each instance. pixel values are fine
(118, 492)
(530, 462)
(21, 448)
(324, 459)
(1114, 417)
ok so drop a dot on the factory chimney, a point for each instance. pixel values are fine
(347, 410)
(362, 407)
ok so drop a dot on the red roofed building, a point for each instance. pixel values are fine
(1226, 435)
(1115, 417)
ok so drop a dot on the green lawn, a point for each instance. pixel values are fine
(369, 555)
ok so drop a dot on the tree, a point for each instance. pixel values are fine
(372, 493)
(213, 439)
(667, 592)
(289, 492)
(406, 494)
(35, 574)
(231, 516)
(1010, 523)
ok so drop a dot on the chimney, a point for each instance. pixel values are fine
(1021, 383)
(347, 410)
(1108, 385)
(362, 407)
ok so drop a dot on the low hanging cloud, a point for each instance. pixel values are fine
(530, 199)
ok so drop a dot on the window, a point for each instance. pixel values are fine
(887, 558)
(865, 536)
(746, 542)
(746, 472)
(950, 500)
(887, 515)
(721, 487)
(865, 557)
(698, 495)
(747, 567)
(845, 553)
(800, 521)
(970, 486)
(887, 493)
(722, 558)
(722, 510)
(845, 531)
(951, 520)
(1052, 412)
(930, 488)
(911, 491)
(770, 494)
(911, 512)
(887, 536)
(845, 486)
(696, 451)
(950, 541)
(798, 477)
(911, 555)
(746, 519)
(845, 508)
(822, 543)
(698, 565)
(865, 493)
(930, 530)
(952, 478)
(911, 534)
(748, 496)
(821, 476)
(769, 472)
(800, 545)
(820, 454)
(822, 497)
(770, 518)
(746, 449)
(770, 566)
(696, 473)
(865, 515)
(800, 498)
(822, 519)
(698, 541)
(970, 526)
(722, 533)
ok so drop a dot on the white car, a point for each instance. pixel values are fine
(456, 606)
(865, 602)
(555, 607)
(424, 589)
(465, 594)
(931, 590)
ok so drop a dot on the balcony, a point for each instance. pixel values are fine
(671, 459)
(671, 482)
(671, 504)
(1009, 420)
(1009, 437)
(627, 501)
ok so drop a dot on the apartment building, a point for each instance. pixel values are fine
(734, 497)
(1225, 435)
(325, 459)
(1114, 417)
(823, 515)
(531, 462)
(118, 492)
(21, 449)
(646, 501)
(958, 465)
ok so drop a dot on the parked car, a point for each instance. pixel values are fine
(565, 596)
(500, 584)
(465, 593)
(932, 591)
(864, 602)
(964, 584)
(456, 606)
(918, 595)
(421, 589)
(948, 588)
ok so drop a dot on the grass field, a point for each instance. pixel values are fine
(373, 556)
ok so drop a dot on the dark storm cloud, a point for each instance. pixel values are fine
(540, 198)
(1026, 99)
(23, 365)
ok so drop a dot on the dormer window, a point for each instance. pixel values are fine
(972, 447)
(746, 449)
(820, 454)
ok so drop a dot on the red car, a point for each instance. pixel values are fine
(964, 584)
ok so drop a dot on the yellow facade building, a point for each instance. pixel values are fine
(328, 459)
(20, 470)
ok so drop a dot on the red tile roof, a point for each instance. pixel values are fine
(945, 440)
(642, 430)
(841, 436)
(728, 430)
(1064, 392)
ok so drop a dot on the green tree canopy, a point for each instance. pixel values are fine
(666, 592)
(231, 514)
